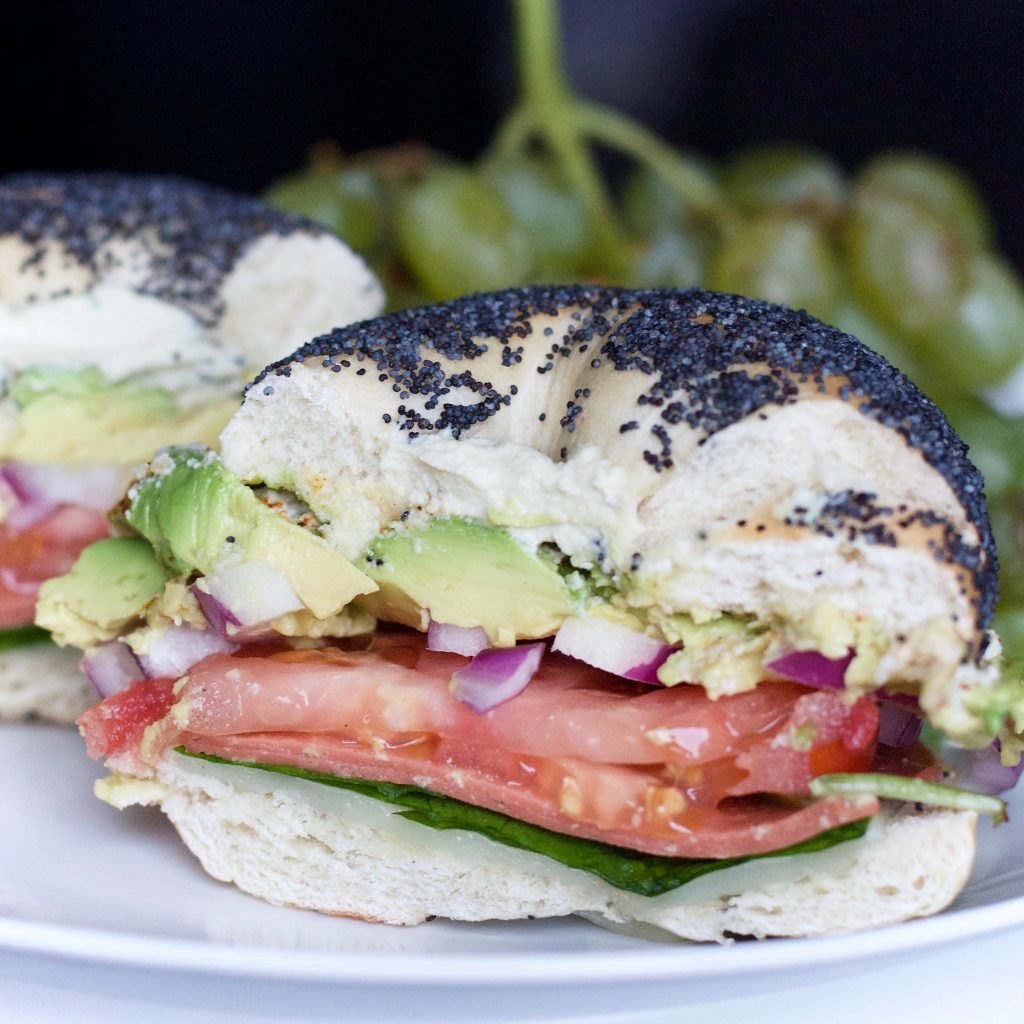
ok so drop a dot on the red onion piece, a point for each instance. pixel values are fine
(23, 514)
(111, 668)
(811, 669)
(903, 700)
(465, 640)
(239, 600)
(496, 675)
(8, 495)
(97, 487)
(612, 647)
(15, 512)
(898, 726)
(178, 648)
(9, 580)
(983, 772)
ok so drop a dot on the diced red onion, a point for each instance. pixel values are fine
(9, 580)
(983, 772)
(239, 600)
(903, 700)
(178, 648)
(22, 514)
(811, 669)
(8, 495)
(97, 487)
(612, 647)
(897, 725)
(496, 675)
(10, 504)
(111, 668)
(465, 640)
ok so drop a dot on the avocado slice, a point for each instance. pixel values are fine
(465, 573)
(74, 416)
(197, 515)
(724, 653)
(108, 587)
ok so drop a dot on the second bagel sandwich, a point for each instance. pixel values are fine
(132, 311)
(553, 601)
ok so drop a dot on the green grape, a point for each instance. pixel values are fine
(1007, 516)
(306, 194)
(348, 202)
(651, 205)
(671, 259)
(553, 218)
(362, 209)
(456, 235)
(932, 185)
(848, 316)
(983, 338)
(786, 177)
(402, 296)
(995, 444)
(1009, 624)
(780, 258)
(905, 267)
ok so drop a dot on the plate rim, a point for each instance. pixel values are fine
(660, 963)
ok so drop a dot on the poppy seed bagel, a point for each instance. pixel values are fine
(711, 454)
(132, 310)
(261, 282)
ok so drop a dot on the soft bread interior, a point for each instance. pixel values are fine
(44, 681)
(306, 845)
(283, 290)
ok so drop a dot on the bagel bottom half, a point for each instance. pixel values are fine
(43, 681)
(303, 844)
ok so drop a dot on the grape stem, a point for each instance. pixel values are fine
(609, 127)
(548, 112)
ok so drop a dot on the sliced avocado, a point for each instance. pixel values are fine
(467, 574)
(109, 586)
(75, 416)
(197, 515)
(684, 629)
(724, 653)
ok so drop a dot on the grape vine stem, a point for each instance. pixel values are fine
(549, 113)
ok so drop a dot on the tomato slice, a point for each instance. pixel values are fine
(39, 552)
(667, 771)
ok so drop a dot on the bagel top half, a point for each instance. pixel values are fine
(708, 455)
(158, 282)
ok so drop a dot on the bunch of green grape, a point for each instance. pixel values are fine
(900, 254)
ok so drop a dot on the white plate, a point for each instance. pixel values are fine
(81, 880)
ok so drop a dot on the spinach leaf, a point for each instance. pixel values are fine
(12, 638)
(632, 870)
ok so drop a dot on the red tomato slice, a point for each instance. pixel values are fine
(667, 771)
(46, 549)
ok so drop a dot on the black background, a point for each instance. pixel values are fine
(235, 91)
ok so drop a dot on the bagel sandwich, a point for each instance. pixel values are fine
(132, 311)
(560, 600)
